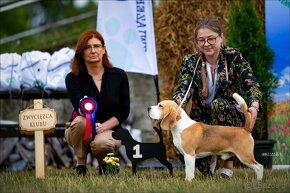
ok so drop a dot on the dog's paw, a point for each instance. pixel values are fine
(189, 177)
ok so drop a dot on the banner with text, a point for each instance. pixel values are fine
(128, 30)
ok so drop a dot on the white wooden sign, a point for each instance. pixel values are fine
(31, 120)
(38, 122)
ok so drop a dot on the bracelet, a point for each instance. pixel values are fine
(255, 107)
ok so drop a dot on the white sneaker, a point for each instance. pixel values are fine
(226, 173)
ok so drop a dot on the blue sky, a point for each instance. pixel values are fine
(278, 34)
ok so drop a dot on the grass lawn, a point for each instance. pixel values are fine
(146, 180)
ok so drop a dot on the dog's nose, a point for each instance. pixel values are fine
(148, 109)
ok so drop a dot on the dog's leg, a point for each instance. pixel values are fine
(189, 166)
(252, 163)
(167, 164)
(134, 167)
(258, 168)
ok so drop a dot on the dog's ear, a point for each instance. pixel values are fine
(169, 118)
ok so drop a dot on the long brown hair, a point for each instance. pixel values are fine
(214, 25)
(78, 64)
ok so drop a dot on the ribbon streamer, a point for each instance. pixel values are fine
(88, 106)
(74, 114)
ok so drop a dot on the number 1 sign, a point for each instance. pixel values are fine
(138, 152)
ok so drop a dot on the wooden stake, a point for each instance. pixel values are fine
(38, 121)
(39, 147)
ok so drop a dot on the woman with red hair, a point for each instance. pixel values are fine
(94, 76)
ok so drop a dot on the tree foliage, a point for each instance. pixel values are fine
(12, 22)
(39, 14)
(246, 33)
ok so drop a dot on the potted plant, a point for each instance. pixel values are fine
(246, 32)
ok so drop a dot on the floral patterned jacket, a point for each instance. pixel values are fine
(234, 77)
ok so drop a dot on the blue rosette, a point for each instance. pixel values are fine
(88, 107)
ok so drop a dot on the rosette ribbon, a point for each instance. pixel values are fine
(88, 106)
(74, 114)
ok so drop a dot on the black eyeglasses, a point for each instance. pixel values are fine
(95, 47)
(210, 41)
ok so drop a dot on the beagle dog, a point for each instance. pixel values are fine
(197, 140)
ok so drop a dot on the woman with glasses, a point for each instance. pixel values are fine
(94, 76)
(213, 74)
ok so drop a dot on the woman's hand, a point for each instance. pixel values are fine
(99, 128)
(254, 113)
(107, 125)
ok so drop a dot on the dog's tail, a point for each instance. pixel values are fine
(244, 107)
(159, 132)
